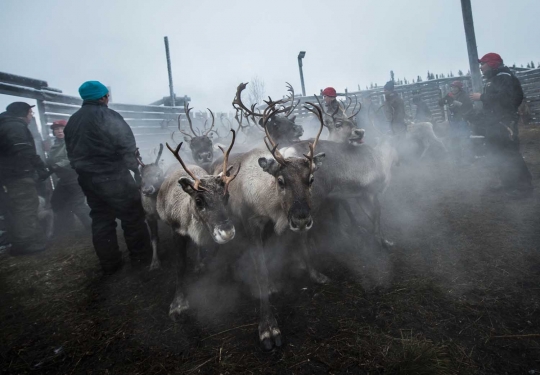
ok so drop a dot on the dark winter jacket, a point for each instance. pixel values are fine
(18, 158)
(423, 113)
(502, 96)
(395, 109)
(58, 162)
(99, 141)
(457, 113)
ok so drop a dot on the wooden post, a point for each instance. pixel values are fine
(468, 22)
(169, 70)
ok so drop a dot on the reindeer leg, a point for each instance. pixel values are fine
(426, 148)
(314, 275)
(372, 208)
(179, 303)
(269, 333)
(352, 217)
(154, 237)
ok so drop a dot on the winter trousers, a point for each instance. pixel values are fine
(20, 203)
(112, 197)
(507, 161)
(68, 200)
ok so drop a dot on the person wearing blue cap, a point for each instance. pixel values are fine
(101, 148)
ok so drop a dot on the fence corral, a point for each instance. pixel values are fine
(431, 91)
(151, 124)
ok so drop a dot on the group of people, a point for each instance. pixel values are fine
(94, 158)
(497, 121)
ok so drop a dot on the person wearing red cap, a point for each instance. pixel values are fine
(459, 105)
(330, 101)
(501, 99)
(68, 198)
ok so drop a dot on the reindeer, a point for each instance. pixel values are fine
(422, 132)
(272, 190)
(200, 144)
(151, 180)
(341, 126)
(193, 204)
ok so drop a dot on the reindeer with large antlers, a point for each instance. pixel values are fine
(281, 126)
(151, 180)
(199, 143)
(193, 203)
(272, 190)
(340, 125)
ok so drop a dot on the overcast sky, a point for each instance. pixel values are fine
(217, 44)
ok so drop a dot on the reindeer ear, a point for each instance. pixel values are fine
(187, 184)
(317, 160)
(187, 139)
(293, 118)
(269, 166)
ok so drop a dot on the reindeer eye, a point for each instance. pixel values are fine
(339, 124)
(199, 202)
(281, 182)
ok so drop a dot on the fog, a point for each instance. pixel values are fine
(214, 46)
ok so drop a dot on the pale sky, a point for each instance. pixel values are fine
(215, 45)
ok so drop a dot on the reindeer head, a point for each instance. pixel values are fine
(151, 174)
(341, 127)
(209, 196)
(293, 175)
(200, 144)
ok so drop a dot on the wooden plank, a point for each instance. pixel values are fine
(58, 108)
(22, 81)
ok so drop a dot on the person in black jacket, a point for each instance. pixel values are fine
(101, 148)
(19, 165)
(67, 199)
(395, 110)
(501, 99)
(459, 105)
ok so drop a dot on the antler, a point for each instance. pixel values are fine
(270, 111)
(176, 154)
(359, 108)
(213, 120)
(187, 110)
(159, 153)
(237, 102)
(317, 112)
(293, 106)
(225, 176)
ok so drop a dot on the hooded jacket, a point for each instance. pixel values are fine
(99, 141)
(502, 96)
(18, 157)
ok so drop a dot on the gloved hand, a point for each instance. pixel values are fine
(44, 174)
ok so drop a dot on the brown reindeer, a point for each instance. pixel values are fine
(193, 204)
(272, 190)
(151, 180)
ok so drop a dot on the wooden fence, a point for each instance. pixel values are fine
(150, 124)
(431, 91)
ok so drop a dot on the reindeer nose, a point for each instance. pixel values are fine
(148, 190)
(224, 232)
(300, 217)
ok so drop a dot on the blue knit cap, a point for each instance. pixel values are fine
(92, 90)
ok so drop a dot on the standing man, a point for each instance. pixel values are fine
(19, 165)
(68, 198)
(330, 101)
(459, 105)
(395, 110)
(101, 148)
(501, 99)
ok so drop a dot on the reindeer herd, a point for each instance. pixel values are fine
(275, 190)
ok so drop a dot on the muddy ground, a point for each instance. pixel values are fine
(459, 293)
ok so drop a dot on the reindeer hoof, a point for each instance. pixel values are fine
(270, 337)
(177, 310)
(319, 278)
(155, 265)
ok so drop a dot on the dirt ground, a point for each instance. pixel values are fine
(459, 293)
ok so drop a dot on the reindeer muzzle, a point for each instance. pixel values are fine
(223, 232)
(300, 217)
(148, 190)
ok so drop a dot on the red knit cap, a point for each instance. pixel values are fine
(494, 60)
(59, 124)
(330, 91)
